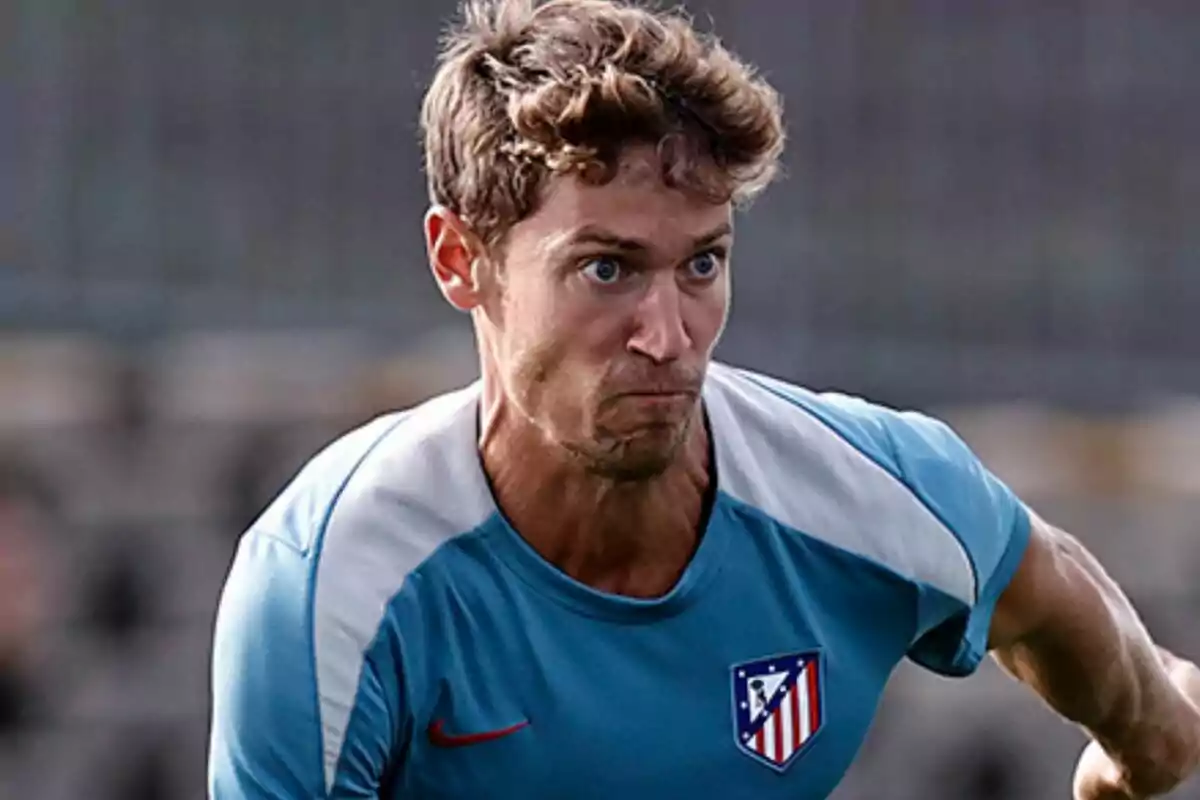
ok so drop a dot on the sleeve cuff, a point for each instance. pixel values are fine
(973, 648)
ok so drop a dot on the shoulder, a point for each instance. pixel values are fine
(380, 472)
(376, 503)
(884, 435)
(316, 573)
(897, 487)
(368, 511)
(419, 488)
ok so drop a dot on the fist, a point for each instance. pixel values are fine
(1097, 777)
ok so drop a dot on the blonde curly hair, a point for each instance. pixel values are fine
(525, 90)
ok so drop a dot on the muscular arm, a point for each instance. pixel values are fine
(1064, 628)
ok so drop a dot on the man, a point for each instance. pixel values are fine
(611, 568)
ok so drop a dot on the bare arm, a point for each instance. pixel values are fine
(1064, 628)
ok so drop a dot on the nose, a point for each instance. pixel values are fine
(660, 334)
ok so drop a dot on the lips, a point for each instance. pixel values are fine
(657, 393)
(659, 389)
(674, 399)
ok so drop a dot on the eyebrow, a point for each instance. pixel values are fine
(592, 234)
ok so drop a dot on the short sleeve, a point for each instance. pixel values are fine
(973, 507)
(268, 735)
(988, 520)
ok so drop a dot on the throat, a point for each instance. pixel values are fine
(632, 538)
(635, 543)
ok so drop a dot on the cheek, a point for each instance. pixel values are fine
(559, 364)
(548, 381)
(553, 336)
(589, 326)
(535, 354)
(705, 318)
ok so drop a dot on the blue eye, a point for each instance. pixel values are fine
(705, 265)
(604, 270)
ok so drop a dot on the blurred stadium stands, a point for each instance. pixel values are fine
(210, 264)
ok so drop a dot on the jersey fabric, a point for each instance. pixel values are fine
(384, 633)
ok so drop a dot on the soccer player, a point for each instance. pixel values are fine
(611, 568)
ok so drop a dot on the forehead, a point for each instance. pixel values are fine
(635, 204)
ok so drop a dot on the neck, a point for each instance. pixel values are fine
(626, 537)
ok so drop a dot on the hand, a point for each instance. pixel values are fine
(1098, 777)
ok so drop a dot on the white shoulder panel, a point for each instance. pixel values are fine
(421, 486)
(775, 455)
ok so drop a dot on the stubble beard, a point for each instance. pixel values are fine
(636, 457)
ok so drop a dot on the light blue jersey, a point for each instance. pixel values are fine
(385, 634)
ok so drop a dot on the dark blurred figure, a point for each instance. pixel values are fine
(990, 778)
(145, 771)
(985, 769)
(24, 572)
(129, 412)
(256, 472)
(117, 599)
(15, 699)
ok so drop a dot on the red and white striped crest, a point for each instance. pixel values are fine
(777, 706)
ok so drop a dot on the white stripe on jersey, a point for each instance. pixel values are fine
(786, 722)
(781, 459)
(769, 733)
(805, 708)
(420, 487)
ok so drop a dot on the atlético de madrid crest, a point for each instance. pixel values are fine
(777, 706)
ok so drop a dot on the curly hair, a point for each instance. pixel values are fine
(526, 90)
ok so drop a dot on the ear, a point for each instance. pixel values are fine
(453, 249)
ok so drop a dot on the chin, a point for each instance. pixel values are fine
(643, 456)
(632, 470)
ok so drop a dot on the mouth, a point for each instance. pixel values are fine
(658, 394)
(657, 402)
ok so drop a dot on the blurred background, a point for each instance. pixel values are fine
(211, 264)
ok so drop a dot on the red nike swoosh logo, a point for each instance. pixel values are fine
(439, 737)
